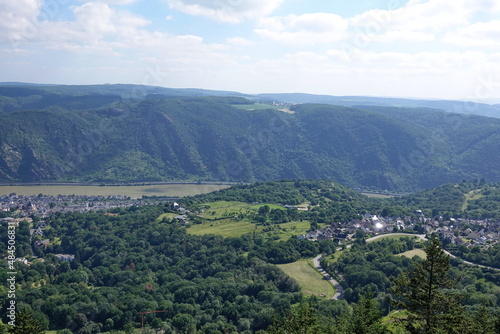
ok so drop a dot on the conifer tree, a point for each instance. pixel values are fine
(426, 293)
(26, 323)
(301, 320)
(366, 317)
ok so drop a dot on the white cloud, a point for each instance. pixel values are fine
(425, 74)
(97, 28)
(401, 36)
(301, 30)
(121, 46)
(229, 11)
(416, 15)
(478, 34)
(490, 6)
(239, 41)
(112, 2)
(18, 20)
(418, 21)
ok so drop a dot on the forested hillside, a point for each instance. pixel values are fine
(106, 136)
(142, 259)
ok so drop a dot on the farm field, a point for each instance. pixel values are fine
(236, 228)
(311, 281)
(225, 228)
(166, 190)
(233, 219)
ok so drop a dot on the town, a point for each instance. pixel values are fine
(42, 206)
(455, 231)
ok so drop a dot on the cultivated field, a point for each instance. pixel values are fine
(311, 281)
(225, 228)
(166, 190)
(233, 219)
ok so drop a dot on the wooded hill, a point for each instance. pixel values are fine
(142, 259)
(114, 133)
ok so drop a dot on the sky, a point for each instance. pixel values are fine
(439, 49)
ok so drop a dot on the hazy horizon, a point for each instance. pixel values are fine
(424, 49)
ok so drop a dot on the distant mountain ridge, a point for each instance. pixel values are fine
(462, 107)
(109, 133)
(141, 91)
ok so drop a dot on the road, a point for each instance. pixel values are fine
(423, 237)
(339, 292)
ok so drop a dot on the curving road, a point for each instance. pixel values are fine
(339, 292)
(421, 236)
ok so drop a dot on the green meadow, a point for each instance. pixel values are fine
(414, 252)
(312, 283)
(233, 219)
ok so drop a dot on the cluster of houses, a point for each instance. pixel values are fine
(458, 231)
(281, 104)
(26, 207)
(43, 206)
(36, 230)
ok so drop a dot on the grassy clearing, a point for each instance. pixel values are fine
(295, 228)
(168, 190)
(271, 206)
(236, 228)
(390, 321)
(473, 195)
(287, 230)
(232, 219)
(335, 256)
(415, 252)
(254, 106)
(225, 209)
(377, 195)
(225, 228)
(224, 204)
(310, 281)
(262, 106)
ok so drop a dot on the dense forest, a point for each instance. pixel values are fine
(142, 259)
(101, 134)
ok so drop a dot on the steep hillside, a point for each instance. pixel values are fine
(107, 137)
